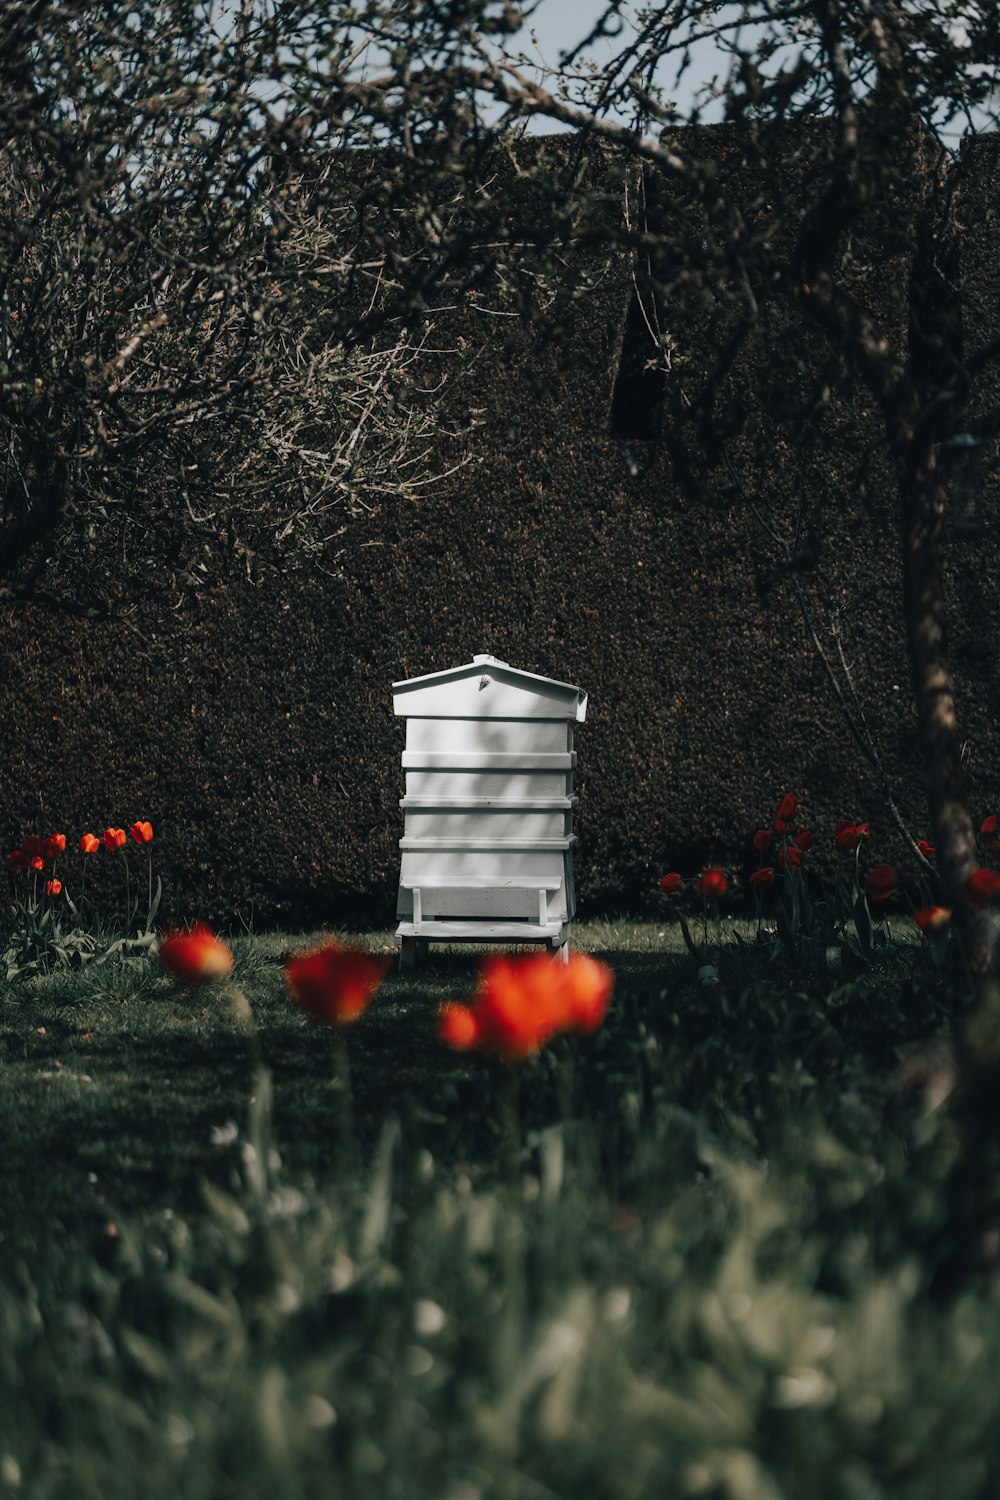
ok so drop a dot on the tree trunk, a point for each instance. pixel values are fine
(924, 506)
(972, 1234)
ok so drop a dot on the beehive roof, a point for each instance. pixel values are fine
(458, 692)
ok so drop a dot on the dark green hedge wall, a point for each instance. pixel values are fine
(254, 725)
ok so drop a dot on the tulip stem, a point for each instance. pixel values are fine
(347, 1145)
(128, 894)
(509, 1146)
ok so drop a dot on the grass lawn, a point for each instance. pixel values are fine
(687, 1256)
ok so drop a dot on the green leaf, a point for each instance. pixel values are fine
(786, 929)
(689, 941)
(154, 905)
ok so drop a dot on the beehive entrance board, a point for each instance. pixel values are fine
(487, 846)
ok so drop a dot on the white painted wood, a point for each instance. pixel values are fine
(521, 787)
(422, 866)
(482, 932)
(512, 882)
(489, 736)
(485, 845)
(488, 806)
(487, 688)
(497, 825)
(470, 760)
(482, 901)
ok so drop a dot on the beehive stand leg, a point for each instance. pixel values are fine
(562, 952)
(423, 948)
(407, 953)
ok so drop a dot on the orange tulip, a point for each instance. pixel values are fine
(334, 984)
(196, 956)
(932, 918)
(114, 838)
(89, 844)
(142, 832)
(55, 845)
(457, 1026)
(590, 984)
(523, 1002)
(53, 887)
(38, 863)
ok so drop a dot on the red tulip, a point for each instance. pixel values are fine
(53, 887)
(114, 838)
(932, 918)
(672, 883)
(804, 840)
(18, 861)
(790, 859)
(762, 840)
(334, 984)
(33, 845)
(142, 832)
(89, 844)
(927, 850)
(55, 845)
(196, 956)
(880, 882)
(989, 825)
(983, 888)
(847, 835)
(712, 882)
(457, 1027)
(785, 814)
(762, 877)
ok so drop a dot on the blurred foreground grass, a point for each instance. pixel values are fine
(706, 1273)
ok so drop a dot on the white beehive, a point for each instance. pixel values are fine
(487, 846)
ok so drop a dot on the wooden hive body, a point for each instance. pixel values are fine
(487, 846)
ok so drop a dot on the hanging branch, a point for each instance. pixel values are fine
(848, 703)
